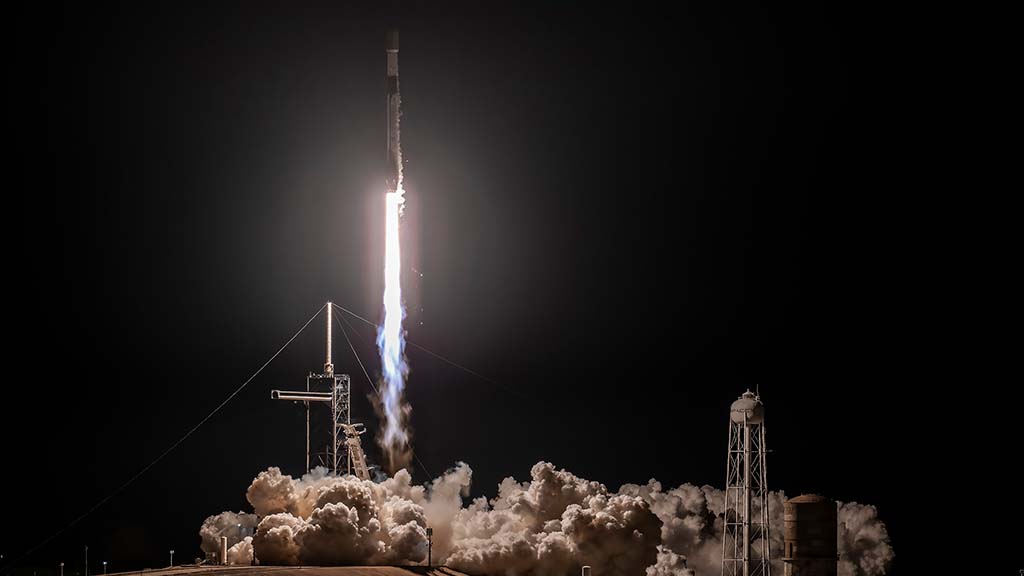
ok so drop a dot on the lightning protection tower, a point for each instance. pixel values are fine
(745, 538)
(334, 390)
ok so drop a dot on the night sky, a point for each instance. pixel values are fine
(622, 217)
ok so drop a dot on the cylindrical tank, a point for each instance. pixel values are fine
(224, 550)
(747, 407)
(810, 538)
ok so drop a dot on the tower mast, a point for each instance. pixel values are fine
(329, 365)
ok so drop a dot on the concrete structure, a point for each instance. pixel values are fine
(810, 547)
(745, 532)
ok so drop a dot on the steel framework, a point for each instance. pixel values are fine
(336, 391)
(356, 457)
(746, 530)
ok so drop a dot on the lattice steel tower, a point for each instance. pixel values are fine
(745, 537)
(334, 390)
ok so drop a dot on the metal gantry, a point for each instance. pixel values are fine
(338, 396)
(746, 530)
(336, 391)
(341, 415)
(356, 456)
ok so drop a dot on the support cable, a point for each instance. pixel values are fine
(353, 349)
(442, 358)
(121, 488)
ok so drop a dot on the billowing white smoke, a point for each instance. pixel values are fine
(554, 524)
(863, 541)
(669, 564)
(692, 527)
(550, 525)
(322, 519)
(234, 526)
(241, 553)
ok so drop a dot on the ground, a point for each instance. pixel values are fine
(300, 571)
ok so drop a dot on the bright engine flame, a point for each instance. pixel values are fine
(391, 336)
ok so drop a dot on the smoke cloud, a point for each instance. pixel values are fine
(551, 524)
(394, 412)
(233, 525)
(692, 528)
(241, 553)
(863, 541)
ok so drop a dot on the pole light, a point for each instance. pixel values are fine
(61, 569)
(172, 558)
(86, 561)
(104, 567)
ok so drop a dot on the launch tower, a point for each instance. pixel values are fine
(336, 391)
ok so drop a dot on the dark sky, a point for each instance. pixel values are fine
(627, 216)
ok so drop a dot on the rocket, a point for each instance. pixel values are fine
(394, 154)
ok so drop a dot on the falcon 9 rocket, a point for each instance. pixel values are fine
(394, 155)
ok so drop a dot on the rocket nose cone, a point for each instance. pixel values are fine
(391, 40)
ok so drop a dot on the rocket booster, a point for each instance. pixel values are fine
(394, 155)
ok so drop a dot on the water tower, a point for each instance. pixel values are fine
(810, 545)
(745, 534)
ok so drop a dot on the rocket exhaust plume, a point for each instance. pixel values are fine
(394, 439)
(391, 342)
